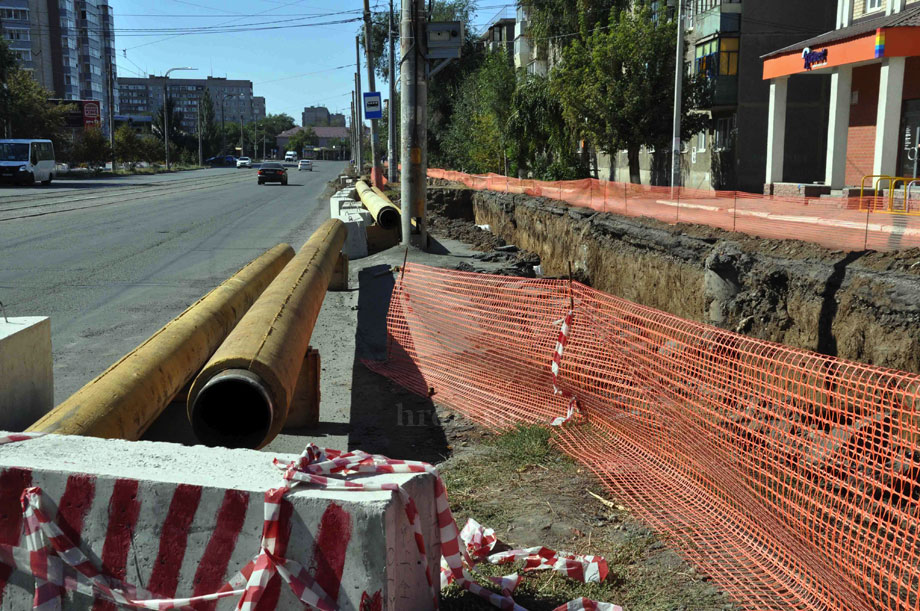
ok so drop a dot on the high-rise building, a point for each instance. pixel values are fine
(315, 116)
(232, 99)
(258, 107)
(67, 45)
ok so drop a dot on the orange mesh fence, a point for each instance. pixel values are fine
(847, 224)
(791, 478)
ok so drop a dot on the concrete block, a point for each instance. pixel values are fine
(26, 378)
(356, 242)
(182, 520)
(339, 281)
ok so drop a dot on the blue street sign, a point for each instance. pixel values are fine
(373, 105)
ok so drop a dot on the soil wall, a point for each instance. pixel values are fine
(862, 306)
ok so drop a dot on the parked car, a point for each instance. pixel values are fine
(26, 161)
(304, 164)
(244, 162)
(272, 172)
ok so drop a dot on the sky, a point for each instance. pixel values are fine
(292, 67)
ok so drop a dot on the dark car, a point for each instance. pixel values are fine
(222, 161)
(272, 172)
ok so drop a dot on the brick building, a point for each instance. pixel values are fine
(873, 125)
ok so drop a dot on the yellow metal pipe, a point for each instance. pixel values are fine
(242, 396)
(382, 209)
(125, 399)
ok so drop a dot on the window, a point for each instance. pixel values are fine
(873, 5)
(724, 134)
(701, 142)
(707, 58)
(728, 57)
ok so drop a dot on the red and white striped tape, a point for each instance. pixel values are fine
(556, 364)
(59, 565)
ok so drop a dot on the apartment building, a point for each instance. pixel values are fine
(500, 35)
(67, 45)
(319, 116)
(258, 107)
(872, 58)
(233, 99)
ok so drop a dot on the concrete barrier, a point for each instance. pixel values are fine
(181, 521)
(26, 378)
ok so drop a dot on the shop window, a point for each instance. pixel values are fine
(728, 57)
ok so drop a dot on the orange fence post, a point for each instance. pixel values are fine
(734, 210)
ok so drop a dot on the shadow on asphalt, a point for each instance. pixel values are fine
(385, 417)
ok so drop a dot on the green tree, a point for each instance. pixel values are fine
(128, 145)
(617, 86)
(210, 143)
(541, 142)
(27, 107)
(303, 139)
(267, 128)
(92, 148)
(175, 122)
(477, 136)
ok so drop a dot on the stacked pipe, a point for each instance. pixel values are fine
(384, 212)
(123, 401)
(243, 394)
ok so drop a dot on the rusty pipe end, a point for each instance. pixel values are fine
(233, 409)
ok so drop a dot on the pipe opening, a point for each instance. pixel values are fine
(388, 218)
(233, 410)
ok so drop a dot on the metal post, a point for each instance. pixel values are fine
(371, 86)
(392, 174)
(413, 120)
(166, 123)
(200, 156)
(111, 113)
(678, 92)
(359, 116)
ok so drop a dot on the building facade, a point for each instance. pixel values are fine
(67, 45)
(725, 40)
(872, 59)
(233, 99)
(258, 107)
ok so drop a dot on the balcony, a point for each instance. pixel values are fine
(724, 91)
(715, 21)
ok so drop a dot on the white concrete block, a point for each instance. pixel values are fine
(26, 378)
(183, 520)
(356, 242)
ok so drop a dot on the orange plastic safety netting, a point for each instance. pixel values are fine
(847, 224)
(790, 477)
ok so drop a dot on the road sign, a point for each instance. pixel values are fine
(373, 106)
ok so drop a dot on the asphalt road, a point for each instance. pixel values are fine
(112, 260)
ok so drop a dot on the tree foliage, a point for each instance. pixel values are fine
(617, 86)
(128, 145)
(92, 148)
(26, 109)
(302, 139)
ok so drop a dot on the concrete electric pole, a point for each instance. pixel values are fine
(371, 86)
(413, 118)
(359, 124)
(110, 86)
(359, 99)
(678, 94)
(392, 173)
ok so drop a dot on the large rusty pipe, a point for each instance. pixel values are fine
(242, 396)
(125, 399)
(384, 212)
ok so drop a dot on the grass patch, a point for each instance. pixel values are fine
(531, 494)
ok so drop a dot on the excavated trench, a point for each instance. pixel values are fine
(862, 306)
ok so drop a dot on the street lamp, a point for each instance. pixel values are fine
(166, 114)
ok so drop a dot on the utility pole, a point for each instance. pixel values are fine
(413, 118)
(242, 142)
(359, 123)
(111, 114)
(354, 132)
(678, 93)
(371, 86)
(392, 174)
(200, 156)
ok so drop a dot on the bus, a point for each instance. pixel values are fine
(26, 161)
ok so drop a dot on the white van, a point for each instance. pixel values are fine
(290, 156)
(26, 161)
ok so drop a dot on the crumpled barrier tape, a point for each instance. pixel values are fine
(58, 565)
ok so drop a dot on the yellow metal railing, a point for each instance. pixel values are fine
(892, 181)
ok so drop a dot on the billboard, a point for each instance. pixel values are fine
(85, 114)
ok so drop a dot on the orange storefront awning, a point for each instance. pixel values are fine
(883, 42)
